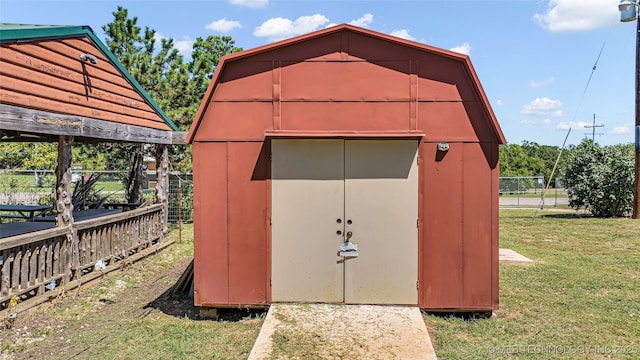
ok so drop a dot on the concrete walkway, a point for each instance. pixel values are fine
(509, 256)
(323, 331)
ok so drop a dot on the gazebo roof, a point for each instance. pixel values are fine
(62, 80)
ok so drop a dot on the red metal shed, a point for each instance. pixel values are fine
(346, 166)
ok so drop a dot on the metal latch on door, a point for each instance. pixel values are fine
(347, 248)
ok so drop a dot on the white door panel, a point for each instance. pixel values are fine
(381, 200)
(307, 199)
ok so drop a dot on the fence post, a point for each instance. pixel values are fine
(518, 190)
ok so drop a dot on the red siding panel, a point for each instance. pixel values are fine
(445, 121)
(432, 90)
(442, 268)
(248, 80)
(477, 228)
(236, 121)
(246, 223)
(495, 225)
(211, 282)
(341, 116)
(353, 80)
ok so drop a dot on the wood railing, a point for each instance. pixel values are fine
(38, 262)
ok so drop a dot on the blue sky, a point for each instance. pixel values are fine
(534, 58)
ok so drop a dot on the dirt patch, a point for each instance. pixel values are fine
(302, 331)
(76, 323)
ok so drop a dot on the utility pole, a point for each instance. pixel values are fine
(593, 132)
(629, 12)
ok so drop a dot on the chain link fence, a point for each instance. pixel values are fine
(526, 191)
(31, 187)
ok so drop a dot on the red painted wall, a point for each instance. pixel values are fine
(340, 85)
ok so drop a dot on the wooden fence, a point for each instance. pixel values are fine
(35, 263)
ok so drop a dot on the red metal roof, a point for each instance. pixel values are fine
(464, 59)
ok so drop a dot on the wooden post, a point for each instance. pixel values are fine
(134, 183)
(64, 206)
(162, 185)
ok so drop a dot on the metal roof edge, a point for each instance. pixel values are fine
(16, 32)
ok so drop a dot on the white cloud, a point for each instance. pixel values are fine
(362, 21)
(465, 48)
(499, 102)
(403, 33)
(542, 106)
(541, 83)
(250, 3)
(281, 28)
(559, 113)
(184, 46)
(620, 130)
(535, 122)
(577, 15)
(223, 25)
(565, 125)
(158, 38)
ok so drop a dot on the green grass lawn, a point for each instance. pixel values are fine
(581, 298)
(25, 183)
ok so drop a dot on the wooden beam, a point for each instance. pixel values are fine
(179, 137)
(26, 120)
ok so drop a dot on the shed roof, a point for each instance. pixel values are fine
(135, 110)
(462, 58)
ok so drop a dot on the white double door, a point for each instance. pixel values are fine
(323, 190)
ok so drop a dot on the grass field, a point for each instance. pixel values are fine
(25, 183)
(581, 299)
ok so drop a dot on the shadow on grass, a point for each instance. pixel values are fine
(566, 216)
(178, 301)
(560, 215)
(465, 316)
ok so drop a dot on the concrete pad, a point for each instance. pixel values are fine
(509, 256)
(324, 331)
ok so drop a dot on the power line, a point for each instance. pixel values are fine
(564, 143)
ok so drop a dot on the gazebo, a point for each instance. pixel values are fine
(62, 84)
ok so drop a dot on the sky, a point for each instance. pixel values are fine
(534, 58)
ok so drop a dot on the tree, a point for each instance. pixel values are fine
(545, 153)
(12, 155)
(177, 87)
(601, 178)
(38, 157)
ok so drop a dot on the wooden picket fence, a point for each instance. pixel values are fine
(36, 263)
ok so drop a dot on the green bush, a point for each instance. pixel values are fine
(600, 179)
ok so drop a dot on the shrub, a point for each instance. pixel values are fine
(600, 179)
